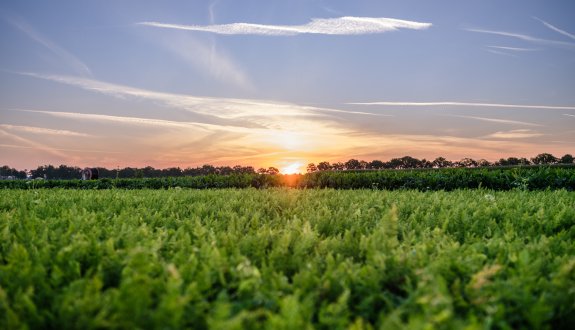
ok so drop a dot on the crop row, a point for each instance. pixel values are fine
(286, 259)
(537, 178)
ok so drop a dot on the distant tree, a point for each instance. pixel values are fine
(395, 163)
(7, 171)
(339, 166)
(208, 169)
(272, 170)
(225, 170)
(426, 163)
(566, 159)
(483, 163)
(323, 166)
(441, 162)
(376, 165)
(127, 172)
(311, 168)
(262, 170)
(352, 164)
(363, 164)
(524, 161)
(468, 162)
(544, 158)
(410, 162)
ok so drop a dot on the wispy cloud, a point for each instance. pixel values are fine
(569, 115)
(329, 26)
(467, 104)
(497, 120)
(30, 143)
(525, 37)
(515, 49)
(556, 29)
(42, 130)
(65, 56)
(496, 52)
(127, 120)
(515, 134)
(205, 57)
(257, 112)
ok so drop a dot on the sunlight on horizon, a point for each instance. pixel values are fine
(294, 168)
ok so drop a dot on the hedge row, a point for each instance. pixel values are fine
(539, 178)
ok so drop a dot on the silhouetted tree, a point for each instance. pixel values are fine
(272, 170)
(468, 162)
(566, 159)
(441, 162)
(339, 166)
(324, 166)
(352, 164)
(483, 163)
(311, 168)
(544, 158)
(376, 165)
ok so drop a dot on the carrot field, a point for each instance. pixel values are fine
(287, 259)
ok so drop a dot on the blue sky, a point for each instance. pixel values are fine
(277, 83)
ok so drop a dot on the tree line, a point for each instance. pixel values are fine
(408, 162)
(64, 172)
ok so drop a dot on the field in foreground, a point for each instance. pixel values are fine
(288, 259)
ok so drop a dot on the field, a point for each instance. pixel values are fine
(287, 259)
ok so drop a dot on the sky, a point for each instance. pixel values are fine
(283, 83)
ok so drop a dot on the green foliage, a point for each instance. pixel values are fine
(528, 178)
(286, 259)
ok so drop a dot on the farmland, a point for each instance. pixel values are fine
(287, 258)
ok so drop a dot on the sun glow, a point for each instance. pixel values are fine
(291, 168)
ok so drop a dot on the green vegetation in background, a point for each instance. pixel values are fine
(530, 178)
(279, 259)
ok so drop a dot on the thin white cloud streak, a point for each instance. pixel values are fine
(498, 121)
(516, 49)
(566, 114)
(61, 149)
(206, 58)
(133, 120)
(556, 29)
(263, 113)
(515, 134)
(76, 64)
(327, 26)
(466, 104)
(524, 37)
(42, 130)
(496, 52)
(33, 144)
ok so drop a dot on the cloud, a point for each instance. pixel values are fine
(496, 52)
(498, 121)
(257, 113)
(525, 37)
(32, 144)
(76, 64)
(129, 120)
(467, 104)
(566, 114)
(516, 49)
(42, 130)
(556, 29)
(515, 134)
(327, 26)
(205, 57)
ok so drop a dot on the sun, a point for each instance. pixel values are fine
(291, 169)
